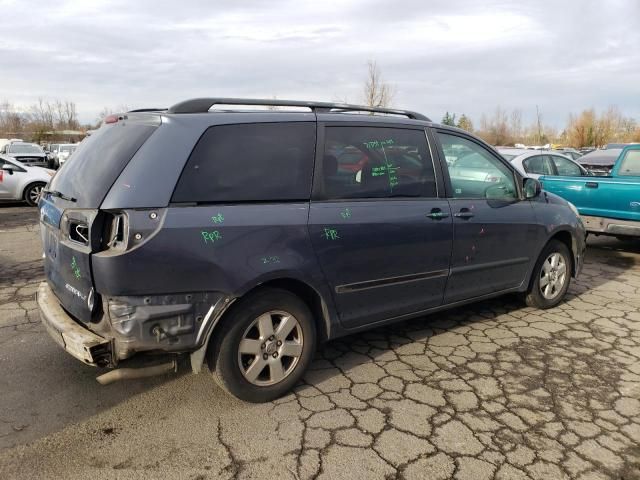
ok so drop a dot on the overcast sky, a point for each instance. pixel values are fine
(457, 55)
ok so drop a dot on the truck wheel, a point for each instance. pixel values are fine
(551, 276)
(264, 346)
(32, 193)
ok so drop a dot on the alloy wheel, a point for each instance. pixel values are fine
(553, 276)
(270, 348)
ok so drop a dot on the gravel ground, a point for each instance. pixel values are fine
(493, 390)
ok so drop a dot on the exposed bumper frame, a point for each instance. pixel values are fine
(79, 342)
(611, 226)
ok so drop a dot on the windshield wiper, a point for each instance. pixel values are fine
(56, 193)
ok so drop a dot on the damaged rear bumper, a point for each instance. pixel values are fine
(83, 344)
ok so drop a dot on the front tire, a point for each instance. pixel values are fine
(264, 346)
(32, 194)
(551, 276)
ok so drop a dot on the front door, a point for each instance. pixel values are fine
(380, 232)
(495, 233)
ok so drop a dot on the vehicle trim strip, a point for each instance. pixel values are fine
(383, 282)
(483, 266)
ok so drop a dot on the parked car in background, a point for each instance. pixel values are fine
(29, 154)
(608, 205)
(254, 245)
(6, 141)
(65, 150)
(534, 163)
(22, 182)
(600, 162)
(572, 153)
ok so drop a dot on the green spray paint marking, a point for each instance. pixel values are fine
(75, 268)
(211, 237)
(391, 171)
(346, 213)
(377, 143)
(219, 218)
(330, 234)
(271, 259)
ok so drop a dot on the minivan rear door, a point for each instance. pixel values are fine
(382, 236)
(72, 226)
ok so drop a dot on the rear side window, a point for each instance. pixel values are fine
(250, 162)
(566, 167)
(374, 162)
(538, 165)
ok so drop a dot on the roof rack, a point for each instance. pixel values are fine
(140, 110)
(202, 105)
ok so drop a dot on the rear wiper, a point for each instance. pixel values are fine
(56, 193)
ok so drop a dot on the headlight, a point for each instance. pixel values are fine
(573, 209)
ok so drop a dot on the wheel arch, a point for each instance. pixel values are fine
(319, 308)
(565, 237)
(26, 187)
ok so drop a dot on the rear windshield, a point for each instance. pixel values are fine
(100, 159)
(24, 148)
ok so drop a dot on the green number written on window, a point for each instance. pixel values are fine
(211, 237)
(346, 213)
(219, 218)
(378, 143)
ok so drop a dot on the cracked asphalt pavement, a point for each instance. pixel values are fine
(492, 390)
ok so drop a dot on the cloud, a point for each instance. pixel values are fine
(460, 56)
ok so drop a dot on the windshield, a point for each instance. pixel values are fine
(24, 148)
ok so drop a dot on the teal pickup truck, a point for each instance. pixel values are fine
(608, 205)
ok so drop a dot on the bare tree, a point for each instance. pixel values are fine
(12, 123)
(377, 93)
(66, 115)
(515, 125)
(495, 129)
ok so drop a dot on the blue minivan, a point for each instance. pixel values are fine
(244, 237)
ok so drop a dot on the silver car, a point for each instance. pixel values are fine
(21, 182)
(534, 163)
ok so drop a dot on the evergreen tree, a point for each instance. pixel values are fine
(449, 119)
(465, 123)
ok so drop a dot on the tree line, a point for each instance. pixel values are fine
(588, 128)
(39, 121)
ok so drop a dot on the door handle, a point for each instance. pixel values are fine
(591, 184)
(464, 213)
(437, 214)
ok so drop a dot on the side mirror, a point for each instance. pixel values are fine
(7, 167)
(532, 188)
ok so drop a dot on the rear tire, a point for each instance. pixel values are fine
(32, 194)
(264, 346)
(551, 276)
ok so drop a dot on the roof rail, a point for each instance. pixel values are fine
(202, 105)
(140, 110)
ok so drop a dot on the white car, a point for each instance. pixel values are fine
(535, 163)
(65, 150)
(21, 182)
